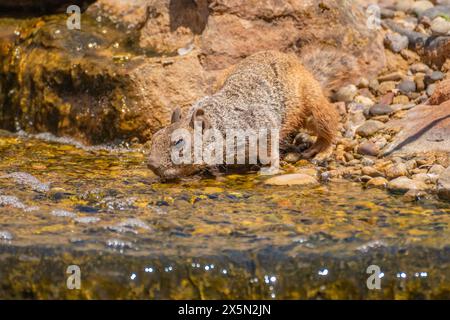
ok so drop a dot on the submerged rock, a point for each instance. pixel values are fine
(377, 182)
(292, 179)
(404, 184)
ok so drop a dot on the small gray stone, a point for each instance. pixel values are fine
(370, 128)
(420, 7)
(440, 26)
(407, 86)
(437, 76)
(396, 42)
(437, 11)
(380, 109)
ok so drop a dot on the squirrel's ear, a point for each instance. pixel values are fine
(199, 116)
(176, 115)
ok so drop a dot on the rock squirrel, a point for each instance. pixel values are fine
(268, 90)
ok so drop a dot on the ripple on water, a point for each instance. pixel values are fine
(63, 213)
(27, 179)
(118, 244)
(5, 235)
(87, 220)
(16, 203)
(130, 225)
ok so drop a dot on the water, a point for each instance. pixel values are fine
(228, 237)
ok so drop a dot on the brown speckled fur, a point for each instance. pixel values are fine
(268, 90)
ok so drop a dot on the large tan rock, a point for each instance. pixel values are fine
(331, 37)
(132, 62)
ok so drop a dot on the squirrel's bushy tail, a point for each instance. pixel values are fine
(330, 67)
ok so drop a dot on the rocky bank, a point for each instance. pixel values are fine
(132, 62)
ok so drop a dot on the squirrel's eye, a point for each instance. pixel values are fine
(179, 143)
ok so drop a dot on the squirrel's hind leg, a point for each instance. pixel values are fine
(325, 125)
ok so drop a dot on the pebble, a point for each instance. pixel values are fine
(387, 98)
(401, 99)
(414, 195)
(394, 76)
(346, 94)
(292, 179)
(371, 171)
(431, 88)
(363, 83)
(369, 128)
(434, 76)
(386, 87)
(404, 184)
(419, 79)
(420, 7)
(365, 101)
(377, 182)
(404, 5)
(380, 109)
(419, 67)
(396, 42)
(396, 170)
(438, 10)
(374, 85)
(436, 169)
(292, 157)
(425, 177)
(410, 164)
(440, 26)
(407, 86)
(368, 149)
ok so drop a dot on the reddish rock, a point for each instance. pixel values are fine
(425, 128)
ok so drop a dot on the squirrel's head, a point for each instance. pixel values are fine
(171, 153)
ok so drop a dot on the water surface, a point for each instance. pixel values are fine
(227, 237)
